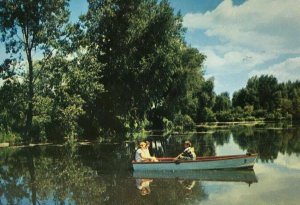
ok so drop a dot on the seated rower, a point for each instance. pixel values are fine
(188, 153)
(142, 154)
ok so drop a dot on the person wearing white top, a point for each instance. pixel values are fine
(143, 155)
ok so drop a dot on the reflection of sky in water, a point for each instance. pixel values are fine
(229, 148)
(278, 182)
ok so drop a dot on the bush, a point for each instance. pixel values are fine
(270, 116)
(250, 118)
(10, 137)
(168, 125)
(288, 116)
(274, 116)
(260, 113)
(224, 116)
(183, 123)
(209, 116)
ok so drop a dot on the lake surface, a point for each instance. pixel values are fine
(101, 174)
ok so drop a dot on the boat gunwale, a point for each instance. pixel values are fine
(167, 160)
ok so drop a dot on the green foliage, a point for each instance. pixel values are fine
(40, 23)
(63, 91)
(248, 109)
(147, 68)
(168, 125)
(274, 116)
(208, 115)
(124, 67)
(268, 99)
(260, 113)
(224, 116)
(12, 105)
(240, 98)
(222, 102)
(136, 42)
(206, 101)
(10, 137)
(183, 123)
(182, 94)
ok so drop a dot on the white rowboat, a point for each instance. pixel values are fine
(201, 163)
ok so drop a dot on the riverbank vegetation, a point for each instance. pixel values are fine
(124, 67)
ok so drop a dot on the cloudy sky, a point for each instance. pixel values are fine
(241, 38)
(245, 38)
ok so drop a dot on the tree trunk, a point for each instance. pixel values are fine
(30, 97)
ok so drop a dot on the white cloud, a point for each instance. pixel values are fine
(241, 40)
(284, 71)
(275, 186)
(222, 58)
(262, 25)
(291, 162)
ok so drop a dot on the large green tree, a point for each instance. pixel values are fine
(182, 95)
(222, 103)
(206, 100)
(138, 43)
(262, 92)
(32, 25)
(268, 92)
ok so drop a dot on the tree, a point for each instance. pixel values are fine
(240, 97)
(268, 92)
(296, 103)
(29, 26)
(181, 96)
(206, 100)
(222, 103)
(138, 43)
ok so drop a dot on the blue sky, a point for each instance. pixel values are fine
(245, 38)
(241, 38)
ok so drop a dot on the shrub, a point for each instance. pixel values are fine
(209, 116)
(270, 116)
(260, 113)
(224, 116)
(10, 137)
(288, 116)
(183, 123)
(250, 118)
(168, 125)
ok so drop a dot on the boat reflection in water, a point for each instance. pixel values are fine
(247, 176)
(188, 179)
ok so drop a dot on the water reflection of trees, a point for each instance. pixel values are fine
(40, 174)
(204, 144)
(265, 139)
(45, 175)
(34, 176)
(268, 141)
(173, 144)
(99, 174)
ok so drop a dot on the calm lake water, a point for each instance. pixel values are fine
(101, 174)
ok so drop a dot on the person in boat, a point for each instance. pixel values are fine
(188, 152)
(147, 152)
(143, 155)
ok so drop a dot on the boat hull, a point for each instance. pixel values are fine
(202, 163)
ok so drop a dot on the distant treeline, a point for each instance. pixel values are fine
(124, 67)
(263, 98)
